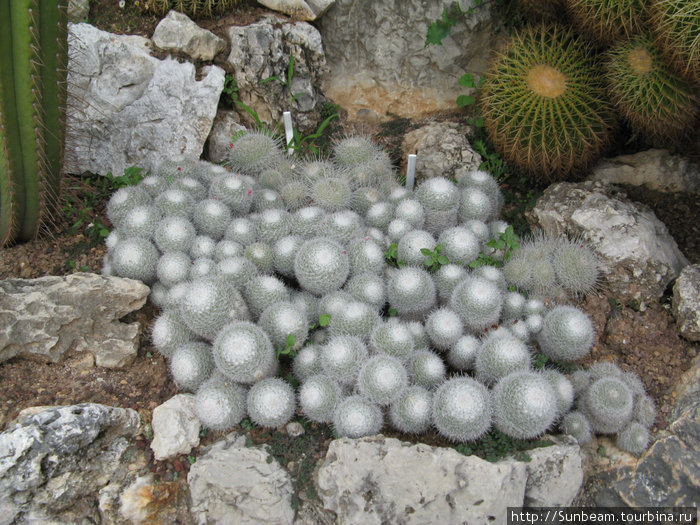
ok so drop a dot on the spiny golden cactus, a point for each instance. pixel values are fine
(543, 103)
(676, 26)
(192, 8)
(608, 20)
(647, 93)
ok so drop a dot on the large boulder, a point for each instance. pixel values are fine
(176, 32)
(127, 108)
(226, 125)
(686, 302)
(261, 52)
(49, 316)
(379, 62)
(639, 258)
(377, 480)
(300, 9)
(54, 463)
(656, 169)
(232, 483)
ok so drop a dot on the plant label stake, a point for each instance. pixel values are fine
(411, 171)
(288, 129)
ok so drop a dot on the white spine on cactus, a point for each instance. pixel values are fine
(513, 305)
(158, 295)
(417, 330)
(563, 389)
(366, 256)
(410, 413)
(478, 301)
(254, 152)
(608, 403)
(580, 380)
(368, 288)
(295, 195)
(410, 246)
(174, 233)
(333, 303)
(241, 230)
(135, 258)
(263, 291)
(411, 211)
(501, 354)
(266, 200)
(209, 305)
(576, 424)
(463, 353)
(341, 226)
(397, 229)
(318, 397)
(321, 266)
(341, 358)
(355, 150)
(478, 228)
(379, 215)
(124, 200)
(202, 267)
(307, 362)
(280, 320)
(272, 225)
(634, 438)
(238, 271)
(382, 379)
(177, 202)
(169, 332)
(283, 253)
(271, 402)
(219, 403)
(355, 417)
(567, 334)
(493, 274)
(447, 278)
(173, 267)
(226, 248)
(260, 254)
(462, 409)
(392, 337)
(459, 245)
(140, 221)
(305, 222)
(243, 352)
(331, 194)
(576, 266)
(203, 246)
(357, 319)
(444, 328)
(411, 291)
(426, 369)
(211, 217)
(191, 364)
(438, 194)
(525, 405)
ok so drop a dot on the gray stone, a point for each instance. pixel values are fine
(78, 10)
(379, 62)
(639, 258)
(261, 51)
(225, 126)
(127, 108)
(231, 483)
(53, 463)
(49, 316)
(555, 473)
(656, 169)
(442, 150)
(300, 9)
(176, 32)
(377, 480)
(175, 427)
(686, 302)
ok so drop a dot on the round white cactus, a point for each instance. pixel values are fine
(410, 413)
(321, 266)
(219, 403)
(243, 352)
(355, 417)
(525, 405)
(271, 402)
(318, 397)
(462, 409)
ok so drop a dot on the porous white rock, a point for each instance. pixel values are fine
(300, 9)
(177, 32)
(175, 427)
(686, 302)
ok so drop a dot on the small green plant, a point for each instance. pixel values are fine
(434, 259)
(247, 424)
(495, 445)
(288, 348)
(507, 242)
(392, 254)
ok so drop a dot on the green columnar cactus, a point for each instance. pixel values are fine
(33, 58)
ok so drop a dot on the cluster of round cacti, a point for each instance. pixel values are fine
(240, 275)
(549, 111)
(610, 401)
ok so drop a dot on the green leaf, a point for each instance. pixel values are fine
(443, 259)
(467, 80)
(324, 319)
(269, 79)
(392, 312)
(426, 251)
(290, 69)
(440, 29)
(477, 122)
(465, 100)
(289, 343)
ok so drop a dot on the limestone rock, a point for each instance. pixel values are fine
(378, 480)
(48, 316)
(53, 463)
(555, 473)
(656, 169)
(225, 126)
(300, 9)
(127, 108)
(78, 10)
(177, 32)
(379, 62)
(175, 427)
(639, 258)
(686, 302)
(231, 483)
(261, 51)
(442, 150)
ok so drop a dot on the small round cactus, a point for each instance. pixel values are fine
(169, 332)
(478, 301)
(644, 411)
(284, 251)
(380, 215)
(382, 379)
(219, 403)
(410, 413)
(341, 226)
(140, 221)
(525, 405)
(253, 152)
(173, 267)
(261, 255)
(608, 403)
(135, 258)
(174, 233)
(567, 334)
(271, 402)
(272, 225)
(238, 271)
(366, 256)
(124, 200)
(225, 249)
(410, 246)
(392, 337)
(355, 417)
(321, 266)
(201, 267)
(500, 354)
(243, 352)
(576, 267)
(318, 397)
(462, 354)
(331, 194)
(357, 319)
(563, 389)
(211, 217)
(476, 204)
(444, 328)
(305, 222)
(174, 201)
(209, 305)
(307, 362)
(266, 199)
(341, 358)
(576, 424)
(411, 291)
(426, 369)
(462, 409)
(263, 291)
(242, 230)
(368, 288)
(634, 438)
(295, 195)
(459, 245)
(447, 278)
(280, 320)
(191, 364)
(411, 211)
(203, 246)
(355, 150)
